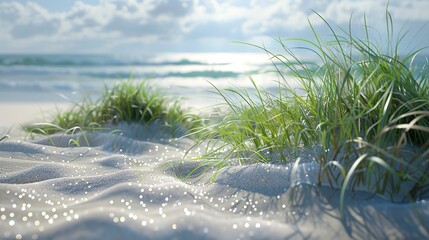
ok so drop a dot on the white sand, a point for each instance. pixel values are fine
(17, 113)
(129, 186)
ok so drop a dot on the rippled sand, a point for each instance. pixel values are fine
(134, 184)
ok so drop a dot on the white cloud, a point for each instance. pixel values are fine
(339, 12)
(29, 20)
(130, 18)
(115, 22)
(273, 16)
(412, 10)
(172, 8)
(158, 19)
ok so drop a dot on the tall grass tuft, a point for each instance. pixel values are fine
(127, 101)
(366, 107)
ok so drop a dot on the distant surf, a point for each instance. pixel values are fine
(44, 77)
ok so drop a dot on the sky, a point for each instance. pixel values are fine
(153, 26)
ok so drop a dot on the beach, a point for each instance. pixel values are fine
(135, 185)
(132, 181)
(15, 114)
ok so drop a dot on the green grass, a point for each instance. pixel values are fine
(128, 101)
(4, 138)
(367, 107)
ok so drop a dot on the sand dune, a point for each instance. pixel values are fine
(131, 185)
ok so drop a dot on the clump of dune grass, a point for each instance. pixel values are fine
(128, 101)
(366, 107)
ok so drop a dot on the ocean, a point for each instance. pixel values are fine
(69, 78)
(59, 78)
